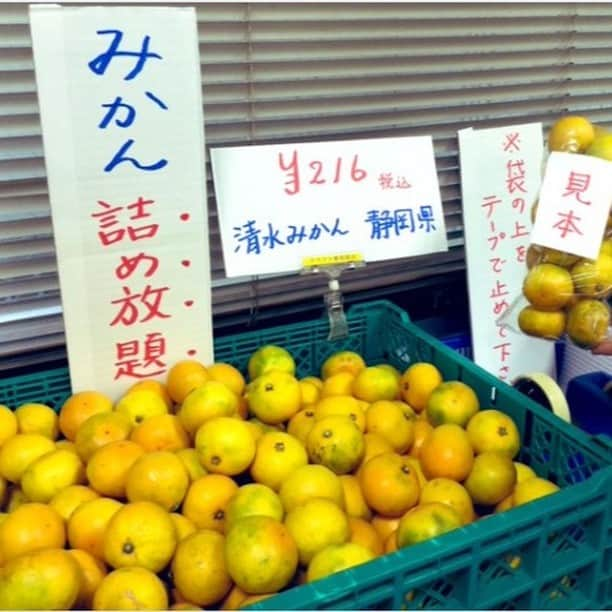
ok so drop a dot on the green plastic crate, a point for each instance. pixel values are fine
(555, 553)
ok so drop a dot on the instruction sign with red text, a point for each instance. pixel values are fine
(500, 177)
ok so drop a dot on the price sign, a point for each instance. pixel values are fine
(120, 102)
(281, 204)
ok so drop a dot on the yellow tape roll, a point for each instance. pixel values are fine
(549, 389)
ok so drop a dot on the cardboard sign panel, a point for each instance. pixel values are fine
(120, 102)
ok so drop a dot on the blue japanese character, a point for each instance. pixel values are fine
(155, 99)
(99, 64)
(426, 218)
(404, 219)
(121, 156)
(297, 234)
(315, 232)
(118, 104)
(250, 236)
(113, 107)
(336, 229)
(271, 239)
(382, 222)
(385, 222)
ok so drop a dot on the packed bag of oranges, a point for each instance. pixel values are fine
(563, 294)
(215, 489)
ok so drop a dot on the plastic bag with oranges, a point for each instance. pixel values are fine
(564, 294)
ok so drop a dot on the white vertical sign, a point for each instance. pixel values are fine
(120, 101)
(500, 177)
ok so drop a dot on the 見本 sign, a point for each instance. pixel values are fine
(120, 102)
(500, 178)
(574, 204)
(281, 204)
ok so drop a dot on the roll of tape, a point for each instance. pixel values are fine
(551, 391)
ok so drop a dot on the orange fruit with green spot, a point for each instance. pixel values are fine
(274, 397)
(336, 558)
(426, 521)
(451, 493)
(452, 402)
(253, 499)
(310, 481)
(270, 357)
(260, 554)
(199, 568)
(374, 383)
(491, 479)
(342, 361)
(337, 443)
(316, 524)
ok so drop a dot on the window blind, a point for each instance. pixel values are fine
(291, 72)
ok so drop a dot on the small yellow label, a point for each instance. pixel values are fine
(331, 260)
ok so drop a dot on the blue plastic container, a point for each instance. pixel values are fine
(589, 402)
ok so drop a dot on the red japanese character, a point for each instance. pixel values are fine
(498, 264)
(128, 313)
(515, 176)
(129, 264)
(519, 230)
(385, 180)
(512, 142)
(499, 290)
(502, 332)
(503, 372)
(504, 350)
(144, 231)
(489, 203)
(500, 307)
(293, 176)
(519, 203)
(521, 253)
(567, 224)
(577, 184)
(494, 239)
(139, 207)
(128, 365)
(108, 216)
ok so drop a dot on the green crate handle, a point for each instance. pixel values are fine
(603, 440)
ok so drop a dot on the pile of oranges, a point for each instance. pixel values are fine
(207, 491)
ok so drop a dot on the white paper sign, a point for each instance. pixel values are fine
(120, 102)
(574, 204)
(279, 204)
(500, 177)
